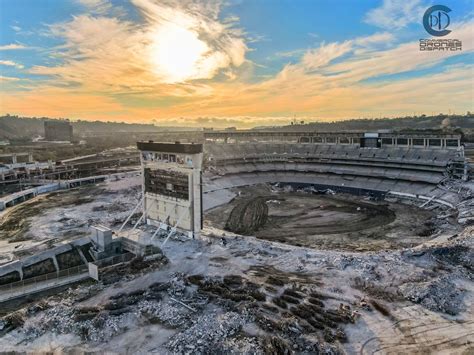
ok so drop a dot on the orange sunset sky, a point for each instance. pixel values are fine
(244, 63)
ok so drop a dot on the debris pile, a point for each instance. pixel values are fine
(466, 212)
(455, 255)
(440, 295)
(288, 313)
(207, 334)
(122, 311)
(136, 266)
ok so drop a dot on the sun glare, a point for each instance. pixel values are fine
(176, 53)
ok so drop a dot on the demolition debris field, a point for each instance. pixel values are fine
(255, 296)
(268, 291)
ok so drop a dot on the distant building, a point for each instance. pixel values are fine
(58, 131)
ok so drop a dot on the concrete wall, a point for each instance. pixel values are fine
(177, 205)
(47, 261)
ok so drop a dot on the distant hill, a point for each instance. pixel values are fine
(14, 127)
(434, 123)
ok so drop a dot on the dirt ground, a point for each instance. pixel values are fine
(324, 221)
(64, 215)
(16, 223)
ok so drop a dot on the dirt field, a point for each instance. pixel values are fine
(342, 221)
(64, 215)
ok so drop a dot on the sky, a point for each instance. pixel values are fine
(227, 63)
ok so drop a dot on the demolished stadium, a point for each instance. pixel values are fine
(297, 243)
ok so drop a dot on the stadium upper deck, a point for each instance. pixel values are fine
(376, 140)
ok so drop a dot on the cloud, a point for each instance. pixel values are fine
(102, 7)
(395, 14)
(11, 64)
(16, 28)
(291, 54)
(376, 38)
(179, 43)
(98, 5)
(8, 78)
(196, 25)
(323, 55)
(12, 46)
(318, 87)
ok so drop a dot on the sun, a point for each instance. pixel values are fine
(176, 53)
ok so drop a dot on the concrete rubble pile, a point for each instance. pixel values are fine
(440, 295)
(99, 323)
(207, 332)
(466, 212)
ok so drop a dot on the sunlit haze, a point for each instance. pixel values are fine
(177, 53)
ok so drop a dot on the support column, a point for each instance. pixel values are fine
(82, 256)
(55, 262)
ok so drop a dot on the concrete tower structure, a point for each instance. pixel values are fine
(172, 193)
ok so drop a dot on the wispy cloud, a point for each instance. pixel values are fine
(291, 54)
(180, 42)
(103, 7)
(316, 58)
(395, 14)
(8, 78)
(11, 64)
(376, 38)
(12, 46)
